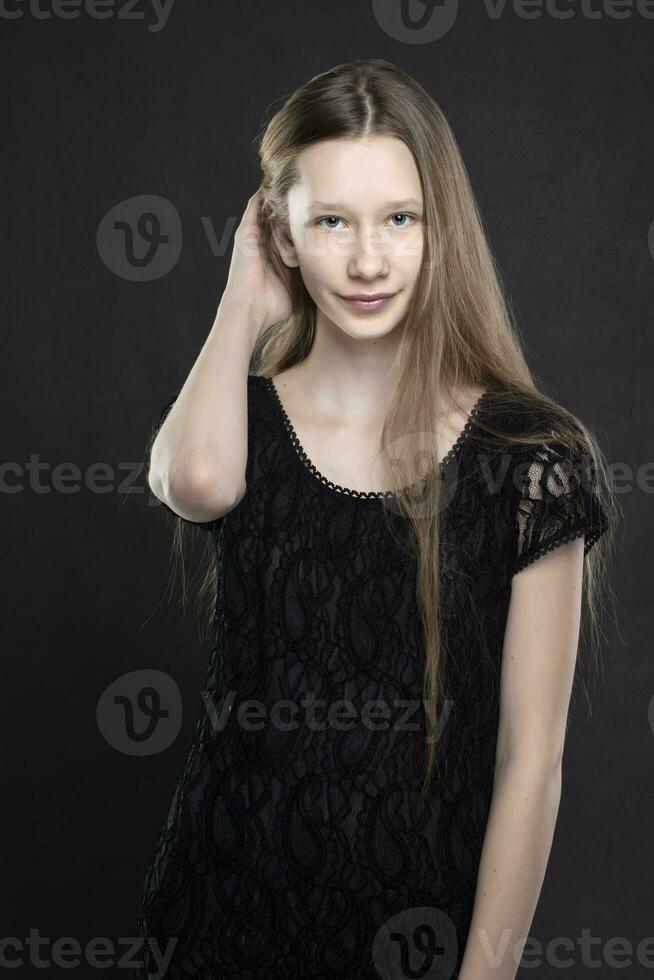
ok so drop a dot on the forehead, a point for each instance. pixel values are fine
(355, 173)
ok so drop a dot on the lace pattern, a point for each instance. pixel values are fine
(302, 850)
(557, 503)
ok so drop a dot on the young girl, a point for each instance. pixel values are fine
(401, 525)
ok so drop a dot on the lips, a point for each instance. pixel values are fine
(369, 297)
(368, 303)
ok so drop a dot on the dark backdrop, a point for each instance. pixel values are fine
(554, 120)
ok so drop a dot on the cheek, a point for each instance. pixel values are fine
(313, 274)
(408, 250)
(320, 246)
(320, 258)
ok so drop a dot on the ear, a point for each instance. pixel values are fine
(281, 234)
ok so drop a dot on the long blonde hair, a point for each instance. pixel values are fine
(459, 330)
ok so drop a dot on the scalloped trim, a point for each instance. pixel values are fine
(591, 538)
(366, 494)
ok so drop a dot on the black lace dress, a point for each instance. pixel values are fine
(296, 845)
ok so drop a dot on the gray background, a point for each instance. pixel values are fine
(554, 120)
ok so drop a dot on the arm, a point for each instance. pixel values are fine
(537, 674)
(199, 456)
(198, 459)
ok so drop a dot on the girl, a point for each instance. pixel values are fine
(401, 525)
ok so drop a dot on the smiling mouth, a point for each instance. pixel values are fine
(372, 302)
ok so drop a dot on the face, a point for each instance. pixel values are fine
(356, 228)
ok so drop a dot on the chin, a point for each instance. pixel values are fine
(367, 328)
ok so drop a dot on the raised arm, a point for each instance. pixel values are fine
(199, 456)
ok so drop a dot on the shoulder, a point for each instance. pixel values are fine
(528, 423)
(539, 447)
(535, 463)
(263, 413)
(257, 387)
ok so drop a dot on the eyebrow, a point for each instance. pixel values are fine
(338, 206)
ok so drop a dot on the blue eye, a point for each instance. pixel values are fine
(402, 214)
(334, 217)
(327, 218)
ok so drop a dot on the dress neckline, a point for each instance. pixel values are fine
(368, 494)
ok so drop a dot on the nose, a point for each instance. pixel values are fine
(370, 254)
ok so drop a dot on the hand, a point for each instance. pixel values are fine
(252, 280)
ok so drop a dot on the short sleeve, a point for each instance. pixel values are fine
(205, 525)
(557, 502)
